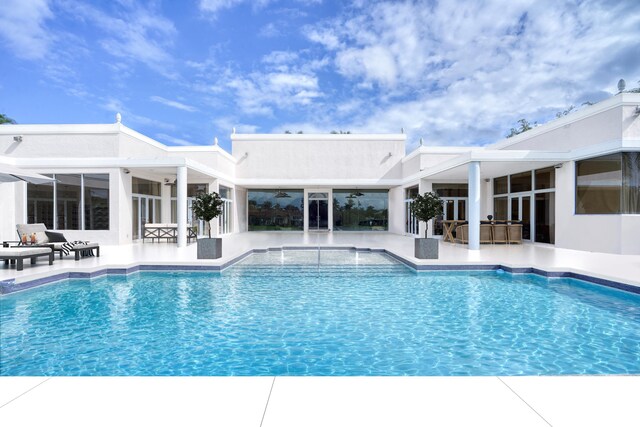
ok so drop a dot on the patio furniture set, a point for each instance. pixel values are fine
(36, 241)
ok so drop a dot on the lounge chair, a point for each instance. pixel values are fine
(60, 244)
(20, 254)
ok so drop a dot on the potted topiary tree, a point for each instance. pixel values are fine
(426, 207)
(208, 206)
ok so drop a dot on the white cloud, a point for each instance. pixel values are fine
(214, 6)
(270, 30)
(227, 123)
(134, 34)
(279, 57)
(115, 105)
(23, 26)
(260, 92)
(464, 72)
(174, 104)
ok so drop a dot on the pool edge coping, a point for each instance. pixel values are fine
(9, 286)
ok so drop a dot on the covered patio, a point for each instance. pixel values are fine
(479, 169)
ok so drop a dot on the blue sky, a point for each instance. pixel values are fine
(182, 72)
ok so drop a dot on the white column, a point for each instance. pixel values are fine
(474, 205)
(181, 186)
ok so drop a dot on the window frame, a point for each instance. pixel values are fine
(621, 187)
(81, 201)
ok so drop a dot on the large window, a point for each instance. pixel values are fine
(529, 198)
(275, 210)
(520, 182)
(500, 208)
(40, 204)
(501, 185)
(360, 210)
(144, 186)
(71, 202)
(608, 184)
(96, 202)
(68, 198)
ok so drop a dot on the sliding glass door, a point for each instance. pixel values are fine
(146, 209)
(521, 211)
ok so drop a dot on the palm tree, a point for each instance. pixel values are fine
(6, 119)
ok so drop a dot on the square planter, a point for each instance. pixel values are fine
(426, 248)
(209, 248)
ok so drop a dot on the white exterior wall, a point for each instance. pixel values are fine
(630, 234)
(11, 213)
(134, 144)
(313, 157)
(241, 212)
(618, 234)
(601, 127)
(397, 215)
(64, 143)
(631, 121)
(213, 157)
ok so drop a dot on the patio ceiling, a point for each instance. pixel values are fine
(161, 167)
(494, 163)
(170, 173)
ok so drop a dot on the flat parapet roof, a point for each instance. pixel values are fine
(318, 137)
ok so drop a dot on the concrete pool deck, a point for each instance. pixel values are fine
(617, 268)
(320, 401)
(324, 401)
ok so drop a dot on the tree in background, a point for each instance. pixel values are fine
(524, 126)
(636, 90)
(6, 120)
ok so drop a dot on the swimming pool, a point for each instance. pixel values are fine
(281, 313)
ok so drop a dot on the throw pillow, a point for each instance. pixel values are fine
(41, 237)
(54, 237)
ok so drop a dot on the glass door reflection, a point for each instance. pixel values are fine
(318, 208)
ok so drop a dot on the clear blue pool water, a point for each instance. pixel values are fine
(357, 314)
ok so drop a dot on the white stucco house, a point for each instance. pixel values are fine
(573, 182)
